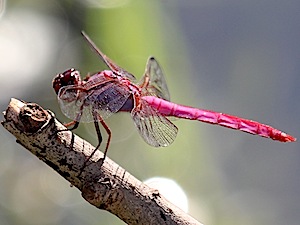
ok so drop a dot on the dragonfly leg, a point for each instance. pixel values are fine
(96, 148)
(109, 137)
(100, 138)
(74, 123)
(75, 126)
(99, 141)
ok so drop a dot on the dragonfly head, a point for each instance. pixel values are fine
(69, 77)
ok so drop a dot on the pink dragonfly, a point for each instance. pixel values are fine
(110, 91)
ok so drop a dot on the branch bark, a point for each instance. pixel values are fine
(103, 184)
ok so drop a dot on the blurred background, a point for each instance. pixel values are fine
(236, 57)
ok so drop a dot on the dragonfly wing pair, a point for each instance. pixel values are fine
(156, 129)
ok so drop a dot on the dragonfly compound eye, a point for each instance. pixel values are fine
(69, 77)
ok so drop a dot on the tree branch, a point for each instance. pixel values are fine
(103, 184)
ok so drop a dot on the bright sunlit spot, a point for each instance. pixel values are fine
(170, 190)
(26, 42)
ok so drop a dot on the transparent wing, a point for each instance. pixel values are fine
(153, 82)
(79, 104)
(154, 128)
(113, 66)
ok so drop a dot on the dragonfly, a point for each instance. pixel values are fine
(104, 93)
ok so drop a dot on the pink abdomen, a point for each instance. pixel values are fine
(171, 109)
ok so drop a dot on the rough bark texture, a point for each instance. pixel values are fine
(103, 184)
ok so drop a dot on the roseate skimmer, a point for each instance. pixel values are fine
(110, 91)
